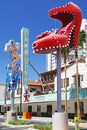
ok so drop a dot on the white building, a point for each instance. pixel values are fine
(51, 61)
(84, 25)
(45, 103)
(2, 96)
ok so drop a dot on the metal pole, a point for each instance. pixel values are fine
(5, 98)
(12, 99)
(21, 97)
(12, 96)
(58, 81)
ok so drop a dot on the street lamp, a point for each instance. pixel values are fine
(21, 96)
(5, 98)
(12, 95)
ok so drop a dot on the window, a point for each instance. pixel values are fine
(29, 108)
(51, 77)
(63, 82)
(47, 77)
(43, 79)
(38, 110)
(63, 108)
(18, 91)
(81, 77)
(86, 27)
(81, 107)
(18, 109)
(74, 80)
(67, 82)
(49, 110)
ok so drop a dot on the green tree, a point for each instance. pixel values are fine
(65, 52)
(82, 39)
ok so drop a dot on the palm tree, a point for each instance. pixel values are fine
(82, 39)
(65, 51)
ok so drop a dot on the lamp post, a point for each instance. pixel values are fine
(5, 98)
(12, 96)
(12, 47)
(21, 97)
(58, 81)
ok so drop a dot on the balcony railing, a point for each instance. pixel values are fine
(71, 94)
(82, 93)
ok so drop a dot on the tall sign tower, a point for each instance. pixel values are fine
(24, 55)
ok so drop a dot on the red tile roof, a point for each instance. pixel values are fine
(34, 83)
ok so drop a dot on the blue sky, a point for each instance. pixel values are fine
(32, 14)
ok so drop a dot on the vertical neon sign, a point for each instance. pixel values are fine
(24, 55)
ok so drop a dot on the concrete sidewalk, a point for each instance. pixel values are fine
(81, 125)
(47, 120)
(41, 120)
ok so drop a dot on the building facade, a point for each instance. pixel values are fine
(42, 96)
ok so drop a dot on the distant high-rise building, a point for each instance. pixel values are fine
(51, 58)
(51, 61)
(84, 25)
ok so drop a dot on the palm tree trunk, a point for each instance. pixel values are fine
(77, 85)
(65, 85)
